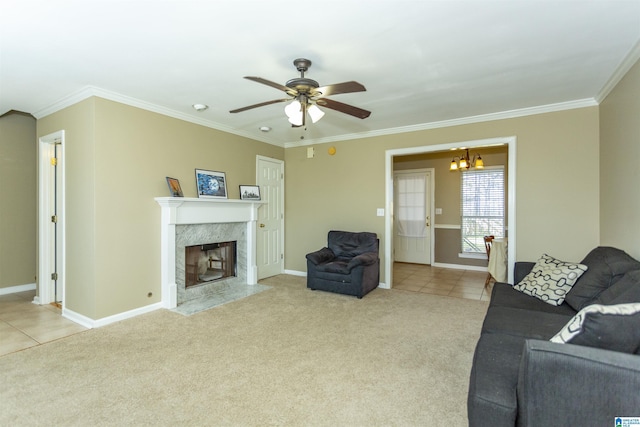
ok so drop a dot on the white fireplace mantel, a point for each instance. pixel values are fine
(184, 210)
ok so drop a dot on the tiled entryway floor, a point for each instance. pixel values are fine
(426, 279)
(24, 324)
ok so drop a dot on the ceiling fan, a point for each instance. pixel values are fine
(307, 94)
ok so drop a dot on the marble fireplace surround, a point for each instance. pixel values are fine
(186, 221)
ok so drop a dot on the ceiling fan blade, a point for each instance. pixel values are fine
(278, 86)
(262, 104)
(343, 108)
(335, 89)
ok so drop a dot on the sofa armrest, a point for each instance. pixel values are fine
(321, 256)
(367, 258)
(521, 269)
(572, 385)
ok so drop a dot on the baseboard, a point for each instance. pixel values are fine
(91, 323)
(18, 288)
(460, 266)
(296, 273)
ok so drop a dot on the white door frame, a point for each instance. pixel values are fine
(510, 141)
(432, 201)
(281, 162)
(46, 238)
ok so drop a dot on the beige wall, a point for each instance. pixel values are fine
(118, 157)
(619, 170)
(18, 199)
(116, 164)
(557, 206)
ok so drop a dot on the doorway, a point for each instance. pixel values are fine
(413, 213)
(51, 220)
(510, 142)
(270, 232)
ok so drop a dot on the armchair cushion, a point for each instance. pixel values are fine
(345, 244)
(321, 256)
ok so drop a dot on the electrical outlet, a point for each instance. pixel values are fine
(380, 212)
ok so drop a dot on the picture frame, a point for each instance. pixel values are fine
(249, 192)
(211, 184)
(174, 187)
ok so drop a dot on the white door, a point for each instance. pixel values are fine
(270, 231)
(412, 216)
(51, 220)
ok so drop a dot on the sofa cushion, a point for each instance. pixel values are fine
(606, 266)
(611, 327)
(625, 290)
(524, 323)
(551, 279)
(503, 295)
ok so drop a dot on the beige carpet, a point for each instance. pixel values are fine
(287, 356)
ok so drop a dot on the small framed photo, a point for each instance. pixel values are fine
(211, 184)
(249, 192)
(174, 187)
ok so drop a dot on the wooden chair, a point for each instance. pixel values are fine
(488, 240)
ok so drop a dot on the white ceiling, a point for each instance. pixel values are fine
(424, 63)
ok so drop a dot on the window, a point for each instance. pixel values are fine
(482, 206)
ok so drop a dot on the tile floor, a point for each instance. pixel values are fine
(426, 279)
(24, 324)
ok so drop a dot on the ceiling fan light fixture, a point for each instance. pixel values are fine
(296, 118)
(294, 109)
(315, 113)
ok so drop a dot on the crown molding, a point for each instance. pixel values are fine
(522, 112)
(622, 69)
(91, 91)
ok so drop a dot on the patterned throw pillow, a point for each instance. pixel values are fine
(550, 279)
(613, 327)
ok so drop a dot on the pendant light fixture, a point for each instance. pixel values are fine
(464, 162)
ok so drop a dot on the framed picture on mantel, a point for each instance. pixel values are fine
(174, 187)
(211, 184)
(249, 192)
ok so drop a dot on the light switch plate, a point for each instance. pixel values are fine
(380, 212)
(310, 152)
(438, 211)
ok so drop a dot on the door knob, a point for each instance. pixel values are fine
(261, 225)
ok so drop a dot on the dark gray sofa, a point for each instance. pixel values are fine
(520, 378)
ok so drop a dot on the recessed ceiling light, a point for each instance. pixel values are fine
(265, 129)
(200, 107)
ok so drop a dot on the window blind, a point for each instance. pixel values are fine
(482, 207)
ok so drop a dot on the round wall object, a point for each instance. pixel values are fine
(332, 151)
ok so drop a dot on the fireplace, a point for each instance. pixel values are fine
(187, 222)
(209, 262)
